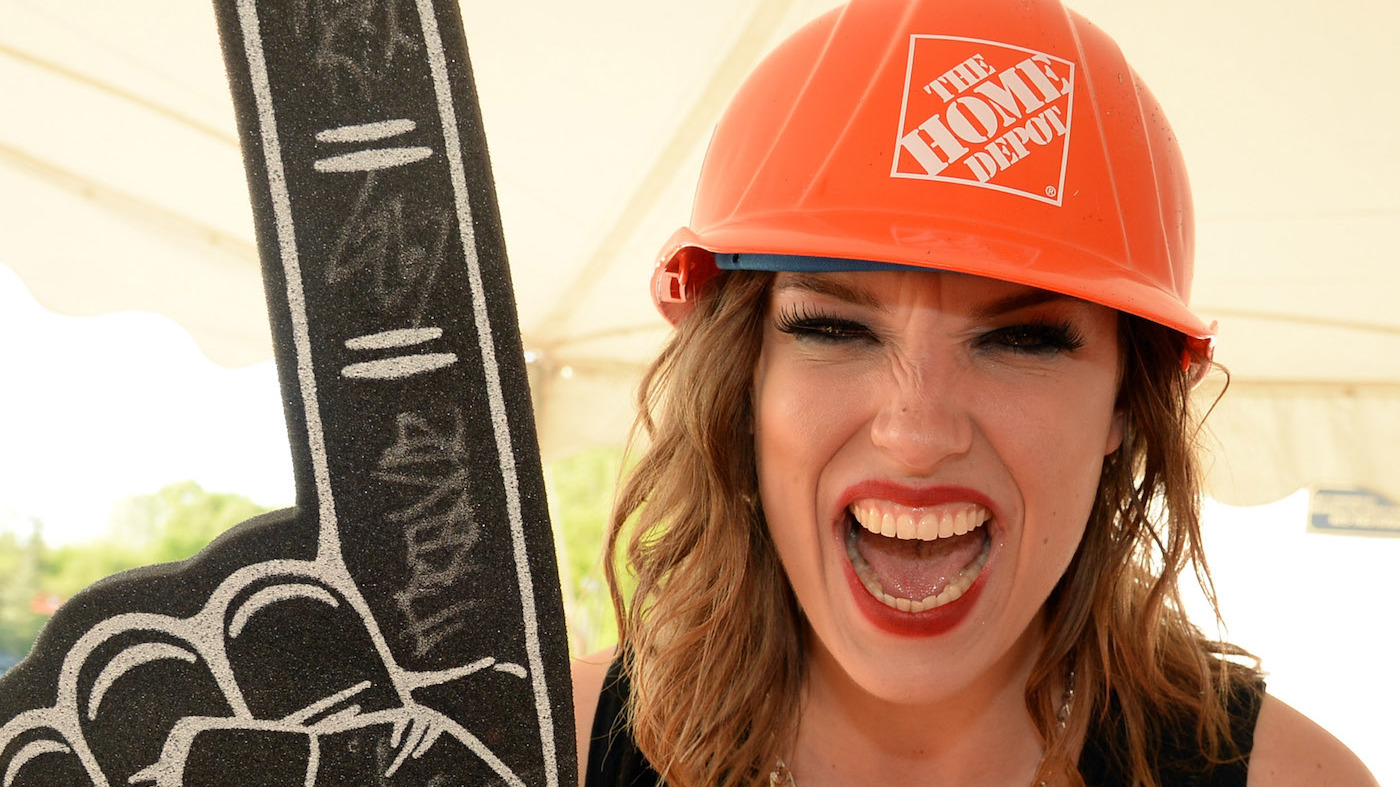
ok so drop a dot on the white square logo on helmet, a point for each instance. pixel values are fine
(985, 114)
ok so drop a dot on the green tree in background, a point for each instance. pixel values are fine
(581, 491)
(172, 524)
(21, 601)
(180, 519)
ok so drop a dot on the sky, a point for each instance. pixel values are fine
(93, 409)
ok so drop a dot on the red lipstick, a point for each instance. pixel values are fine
(931, 622)
(915, 497)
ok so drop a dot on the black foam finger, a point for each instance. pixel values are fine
(405, 617)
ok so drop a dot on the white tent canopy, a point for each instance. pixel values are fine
(121, 188)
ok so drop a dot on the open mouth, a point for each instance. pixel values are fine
(917, 559)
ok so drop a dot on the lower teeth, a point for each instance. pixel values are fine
(953, 591)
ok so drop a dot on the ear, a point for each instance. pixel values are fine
(1115, 432)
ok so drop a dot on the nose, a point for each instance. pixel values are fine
(924, 419)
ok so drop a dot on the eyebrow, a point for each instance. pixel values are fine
(821, 284)
(1021, 300)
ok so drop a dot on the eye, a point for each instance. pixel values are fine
(805, 324)
(1033, 338)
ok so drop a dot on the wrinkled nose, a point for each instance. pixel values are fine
(923, 420)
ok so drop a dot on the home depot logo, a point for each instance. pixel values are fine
(986, 114)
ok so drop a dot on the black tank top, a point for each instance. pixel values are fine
(614, 761)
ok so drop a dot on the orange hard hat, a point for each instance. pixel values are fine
(1001, 138)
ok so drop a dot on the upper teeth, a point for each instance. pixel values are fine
(924, 524)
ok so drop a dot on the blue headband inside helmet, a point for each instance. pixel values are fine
(794, 263)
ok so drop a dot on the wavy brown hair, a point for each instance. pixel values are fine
(711, 636)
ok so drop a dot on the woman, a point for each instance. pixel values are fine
(919, 484)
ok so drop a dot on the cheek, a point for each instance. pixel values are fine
(1054, 451)
(802, 421)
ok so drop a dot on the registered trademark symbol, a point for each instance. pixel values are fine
(1050, 191)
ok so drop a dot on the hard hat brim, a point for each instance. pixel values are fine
(1042, 263)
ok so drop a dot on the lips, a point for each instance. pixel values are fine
(917, 559)
(922, 578)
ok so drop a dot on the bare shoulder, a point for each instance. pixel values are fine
(1291, 749)
(588, 675)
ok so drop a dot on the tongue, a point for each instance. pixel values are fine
(915, 569)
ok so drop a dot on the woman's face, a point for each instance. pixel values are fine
(929, 446)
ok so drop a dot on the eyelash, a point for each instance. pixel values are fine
(799, 321)
(1035, 337)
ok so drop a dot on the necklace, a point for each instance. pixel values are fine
(781, 776)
